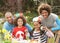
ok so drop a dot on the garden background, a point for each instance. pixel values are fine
(28, 7)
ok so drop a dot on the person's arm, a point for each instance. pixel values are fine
(13, 34)
(28, 27)
(58, 21)
(27, 34)
(4, 26)
(58, 25)
(49, 33)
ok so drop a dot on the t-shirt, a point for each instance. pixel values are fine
(28, 27)
(50, 21)
(38, 36)
(8, 26)
(19, 32)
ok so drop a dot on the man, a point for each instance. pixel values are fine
(8, 25)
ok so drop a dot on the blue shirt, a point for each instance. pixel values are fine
(28, 27)
(58, 25)
(8, 26)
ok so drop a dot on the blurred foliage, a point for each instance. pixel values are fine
(1, 3)
(29, 16)
(30, 5)
(0, 26)
(7, 41)
(56, 2)
(1, 14)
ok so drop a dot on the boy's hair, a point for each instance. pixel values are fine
(44, 6)
(15, 22)
(8, 14)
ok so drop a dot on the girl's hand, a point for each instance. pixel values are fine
(12, 36)
(26, 31)
(39, 19)
(44, 28)
(48, 32)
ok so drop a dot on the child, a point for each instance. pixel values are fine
(39, 32)
(22, 15)
(19, 31)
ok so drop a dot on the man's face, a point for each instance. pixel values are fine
(9, 19)
(44, 13)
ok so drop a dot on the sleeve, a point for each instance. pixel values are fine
(28, 27)
(55, 28)
(49, 34)
(58, 21)
(4, 29)
(54, 16)
(4, 26)
(58, 25)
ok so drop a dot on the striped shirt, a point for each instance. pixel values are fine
(37, 35)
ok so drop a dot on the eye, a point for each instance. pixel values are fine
(36, 25)
(9, 17)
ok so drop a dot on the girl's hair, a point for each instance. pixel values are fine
(15, 22)
(41, 32)
(44, 6)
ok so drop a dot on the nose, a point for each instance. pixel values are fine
(44, 14)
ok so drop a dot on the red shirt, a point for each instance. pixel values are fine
(19, 32)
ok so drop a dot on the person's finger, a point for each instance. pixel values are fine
(39, 19)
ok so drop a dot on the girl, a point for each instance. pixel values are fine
(19, 31)
(27, 24)
(39, 32)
